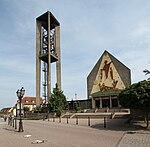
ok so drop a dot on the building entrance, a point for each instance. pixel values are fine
(114, 103)
(105, 103)
(97, 103)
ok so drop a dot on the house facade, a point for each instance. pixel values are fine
(29, 102)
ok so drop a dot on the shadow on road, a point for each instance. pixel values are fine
(118, 125)
(10, 129)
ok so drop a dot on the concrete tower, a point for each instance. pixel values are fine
(47, 52)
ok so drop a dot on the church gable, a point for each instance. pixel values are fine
(107, 77)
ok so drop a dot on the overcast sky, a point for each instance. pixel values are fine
(88, 27)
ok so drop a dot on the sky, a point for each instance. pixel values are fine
(88, 28)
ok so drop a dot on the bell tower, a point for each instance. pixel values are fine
(47, 52)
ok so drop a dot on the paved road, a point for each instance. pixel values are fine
(57, 134)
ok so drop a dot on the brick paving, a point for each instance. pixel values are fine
(57, 134)
(137, 139)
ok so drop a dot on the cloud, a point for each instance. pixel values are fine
(87, 29)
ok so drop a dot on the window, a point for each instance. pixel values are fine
(26, 101)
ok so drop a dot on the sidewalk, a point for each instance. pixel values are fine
(137, 139)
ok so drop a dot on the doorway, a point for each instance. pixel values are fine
(97, 103)
(114, 103)
(105, 103)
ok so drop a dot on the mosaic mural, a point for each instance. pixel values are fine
(107, 77)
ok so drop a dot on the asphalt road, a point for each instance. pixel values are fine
(54, 134)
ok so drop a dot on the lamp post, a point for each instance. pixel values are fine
(20, 93)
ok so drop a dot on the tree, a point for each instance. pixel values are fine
(137, 96)
(26, 108)
(76, 106)
(38, 109)
(57, 102)
(146, 71)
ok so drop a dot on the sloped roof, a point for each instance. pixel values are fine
(30, 100)
(106, 93)
(6, 109)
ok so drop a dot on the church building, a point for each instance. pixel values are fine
(104, 83)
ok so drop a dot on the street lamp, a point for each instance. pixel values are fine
(20, 93)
